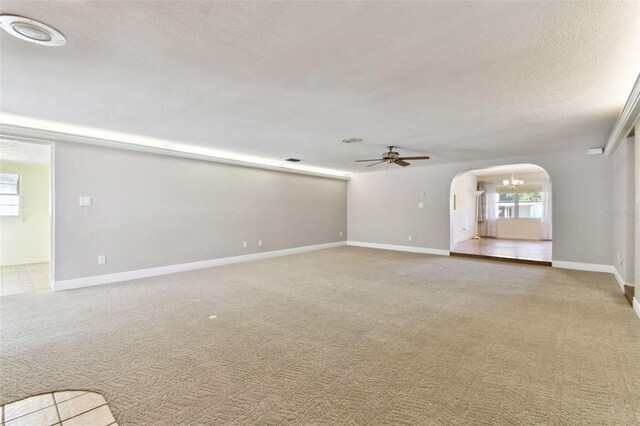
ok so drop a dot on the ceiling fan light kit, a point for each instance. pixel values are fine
(392, 157)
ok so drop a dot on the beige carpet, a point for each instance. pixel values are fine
(345, 335)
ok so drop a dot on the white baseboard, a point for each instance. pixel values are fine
(411, 249)
(594, 267)
(591, 267)
(163, 270)
(619, 278)
(462, 238)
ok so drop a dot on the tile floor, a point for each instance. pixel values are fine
(24, 278)
(67, 408)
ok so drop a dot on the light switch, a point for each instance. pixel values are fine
(259, 243)
(85, 201)
(102, 259)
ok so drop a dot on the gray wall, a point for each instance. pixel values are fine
(623, 226)
(152, 210)
(382, 206)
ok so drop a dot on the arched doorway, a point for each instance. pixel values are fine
(502, 213)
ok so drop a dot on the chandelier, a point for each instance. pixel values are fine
(512, 183)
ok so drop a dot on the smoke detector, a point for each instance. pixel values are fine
(32, 31)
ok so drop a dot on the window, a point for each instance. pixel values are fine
(507, 204)
(9, 194)
(526, 204)
(530, 205)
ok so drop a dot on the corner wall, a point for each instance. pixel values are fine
(622, 212)
(464, 217)
(383, 206)
(636, 282)
(151, 211)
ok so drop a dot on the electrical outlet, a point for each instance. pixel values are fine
(259, 243)
(102, 259)
(84, 201)
(341, 233)
(420, 205)
(409, 238)
(245, 244)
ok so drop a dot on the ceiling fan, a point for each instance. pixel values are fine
(393, 157)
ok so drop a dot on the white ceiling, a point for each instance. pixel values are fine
(454, 80)
(19, 152)
(518, 169)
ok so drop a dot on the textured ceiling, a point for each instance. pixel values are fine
(456, 81)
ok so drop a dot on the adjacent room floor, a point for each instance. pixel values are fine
(500, 248)
(345, 335)
(65, 408)
(24, 278)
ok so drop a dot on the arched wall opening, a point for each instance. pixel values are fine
(503, 212)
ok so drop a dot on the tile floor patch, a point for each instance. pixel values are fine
(79, 405)
(100, 416)
(66, 395)
(27, 406)
(45, 416)
(16, 279)
(72, 408)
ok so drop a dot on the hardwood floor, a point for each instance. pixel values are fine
(521, 251)
(629, 293)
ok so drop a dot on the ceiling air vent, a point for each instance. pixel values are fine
(352, 140)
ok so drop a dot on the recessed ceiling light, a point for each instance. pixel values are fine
(30, 30)
(352, 140)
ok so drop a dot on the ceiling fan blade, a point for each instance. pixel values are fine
(360, 161)
(399, 162)
(375, 164)
(424, 157)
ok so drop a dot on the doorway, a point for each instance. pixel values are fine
(503, 213)
(25, 217)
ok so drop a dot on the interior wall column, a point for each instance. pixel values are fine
(636, 281)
